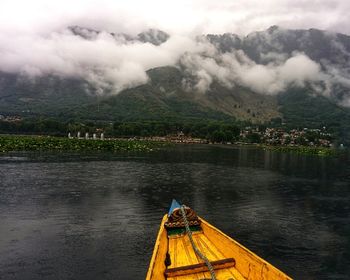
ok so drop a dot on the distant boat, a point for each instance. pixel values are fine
(188, 247)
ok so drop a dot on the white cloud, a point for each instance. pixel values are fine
(299, 69)
(103, 61)
(34, 41)
(182, 16)
(236, 68)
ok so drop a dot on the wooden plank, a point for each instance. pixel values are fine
(216, 246)
(182, 258)
(193, 259)
(157, 266)
(191, 255)
(228, 273)
(200, 267)
(249, 265)
(208, 248)
(222, 274)
(172, 251)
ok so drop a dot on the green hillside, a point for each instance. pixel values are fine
(163, 97)
(300, 108)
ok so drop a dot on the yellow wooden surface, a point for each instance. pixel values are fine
(216, 246)
(157, 266)
(182, 254)
(247, 263)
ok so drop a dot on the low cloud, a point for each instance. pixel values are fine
(237, 68)
(106, 61)
(180, 17)
(113, 62)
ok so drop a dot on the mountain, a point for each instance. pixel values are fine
(162, 97)
(49, 95)
(309, 103)
(152, 36)
(321, 46)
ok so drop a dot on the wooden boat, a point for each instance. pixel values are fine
(176, 258)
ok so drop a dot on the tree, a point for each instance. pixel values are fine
(218, 136)
(254, 137)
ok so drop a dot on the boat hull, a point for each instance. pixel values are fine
(174, 257)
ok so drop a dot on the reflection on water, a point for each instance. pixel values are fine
(96, 216)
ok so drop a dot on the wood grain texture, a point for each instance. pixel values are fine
(217, 247)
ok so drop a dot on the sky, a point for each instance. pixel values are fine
(35, 41)
(179, 17)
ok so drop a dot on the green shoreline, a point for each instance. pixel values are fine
(14, 143)
(303, 150)
(300, 150)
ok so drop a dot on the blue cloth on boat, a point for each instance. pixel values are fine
(174, 205)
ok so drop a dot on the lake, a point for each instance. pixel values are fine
(96, 215)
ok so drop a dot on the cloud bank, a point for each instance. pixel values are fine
(237, 68)
(182, 16)
(106, 61)
(35, 41)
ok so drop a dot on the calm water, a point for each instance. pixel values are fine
(96, 216)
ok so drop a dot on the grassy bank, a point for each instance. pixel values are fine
(303, 150)
(45, 143)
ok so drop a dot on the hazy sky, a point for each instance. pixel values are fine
(181, 16)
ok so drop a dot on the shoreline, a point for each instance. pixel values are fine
(13, 143)
(296, 150)
(17, 143)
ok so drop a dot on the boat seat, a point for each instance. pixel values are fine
(200, 267)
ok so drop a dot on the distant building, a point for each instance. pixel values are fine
(278, 136)
(11, 118)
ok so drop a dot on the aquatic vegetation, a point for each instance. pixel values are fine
(47, 143)
(303, 150)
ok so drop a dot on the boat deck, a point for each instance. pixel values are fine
(175, 259)
(182, 255)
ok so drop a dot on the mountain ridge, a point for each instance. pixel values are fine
(165, 96)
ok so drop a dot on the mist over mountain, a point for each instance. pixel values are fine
(266, 62)
(152, 36)
(323, 57)
(153, 74)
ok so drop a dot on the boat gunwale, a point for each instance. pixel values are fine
(236, 243)
(156, 247)
(245, 248)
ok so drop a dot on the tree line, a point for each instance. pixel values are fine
(215, 131)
